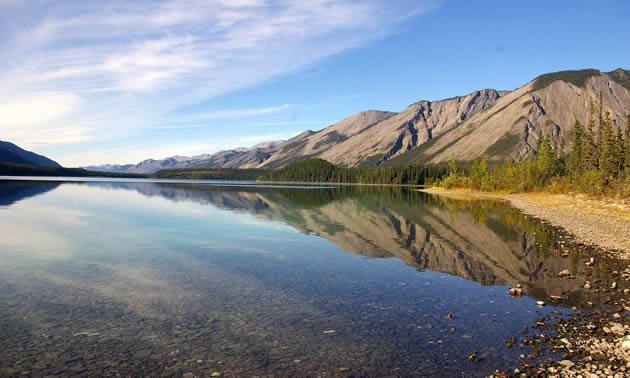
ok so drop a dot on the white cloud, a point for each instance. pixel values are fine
(203, 126)
(95, 69)
(251, 140)
(37, 108)
(240, 112)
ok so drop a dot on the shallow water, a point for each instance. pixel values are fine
(149, 278)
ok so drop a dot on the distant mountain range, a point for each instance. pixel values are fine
(491, 124)
(15, 161)
(10, 153)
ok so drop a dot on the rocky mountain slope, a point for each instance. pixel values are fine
(410, 128)
(509, 129)
(496, 125)
(10, 153)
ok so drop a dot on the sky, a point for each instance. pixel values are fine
(96, 82)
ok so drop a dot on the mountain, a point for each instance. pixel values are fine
(151, 165)
(308, 143)
(311, 144)
(10, 153)
(496, 125)
(509, 129)
(419, 123)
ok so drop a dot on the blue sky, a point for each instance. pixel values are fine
(95, 82)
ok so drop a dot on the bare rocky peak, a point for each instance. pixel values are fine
(406, 130)
(357, 122)
(510, 128)
(310, 143)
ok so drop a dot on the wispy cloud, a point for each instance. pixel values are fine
(240, 112)
(206, 125)
(87, 69)
(186, 148)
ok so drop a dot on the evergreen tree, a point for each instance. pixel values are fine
(576, 160)
(600, 129)
(452, 167)
(479, 173)
(620, 150)
(627, 144)
(590, 153)
(607, 159)
(546, 162)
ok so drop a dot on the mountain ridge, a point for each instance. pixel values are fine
(11, 153)
(488, 123)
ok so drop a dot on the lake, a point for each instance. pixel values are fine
(150, 278)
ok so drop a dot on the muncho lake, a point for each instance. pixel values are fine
(148, 278)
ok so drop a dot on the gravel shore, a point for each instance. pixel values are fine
(604, 223)
(593, 340)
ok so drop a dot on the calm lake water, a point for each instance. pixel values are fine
(145, 278)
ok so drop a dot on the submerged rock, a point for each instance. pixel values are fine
(567, 364)
(474, 358)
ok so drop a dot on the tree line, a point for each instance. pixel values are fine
(14, 169)
(319, 170)
(598, 164)
(233, 174)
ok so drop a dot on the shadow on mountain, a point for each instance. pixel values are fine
(15, 191)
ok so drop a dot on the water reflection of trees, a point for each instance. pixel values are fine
(482, 240)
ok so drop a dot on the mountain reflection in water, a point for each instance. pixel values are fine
(144, 278)
(481, 240)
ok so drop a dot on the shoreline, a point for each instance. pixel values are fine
(594, 340)
(602, 223)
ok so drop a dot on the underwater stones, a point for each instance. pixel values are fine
(474, 357)
(587, 285)
(617, 329)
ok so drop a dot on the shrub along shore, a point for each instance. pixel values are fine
(599, 164)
